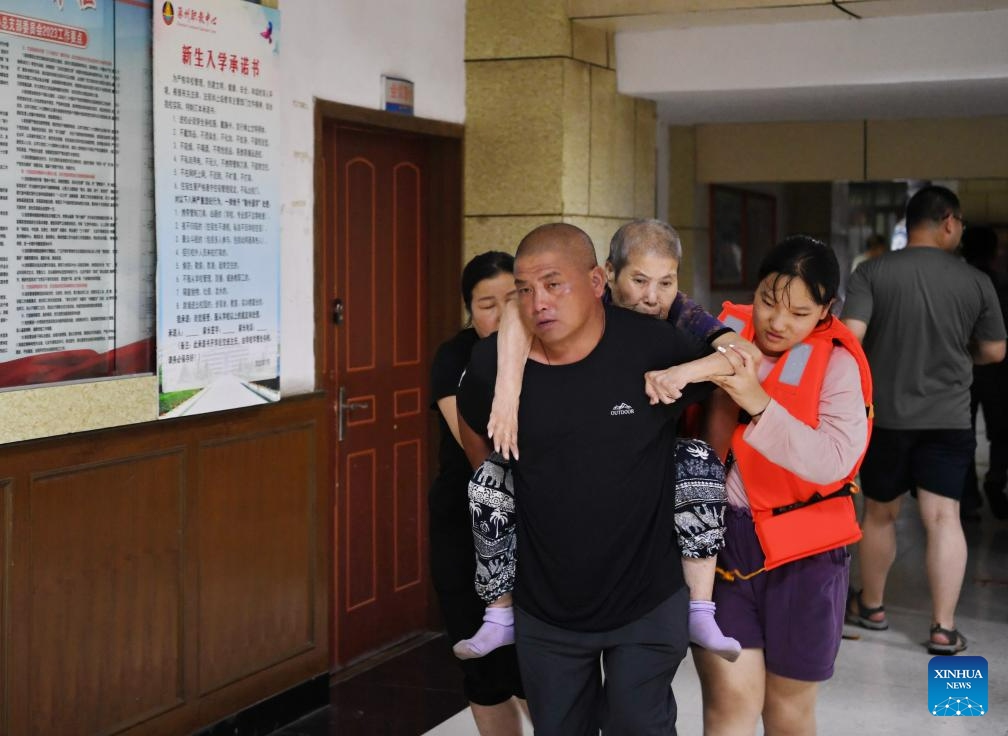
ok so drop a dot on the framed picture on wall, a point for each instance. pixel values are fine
(742, 223)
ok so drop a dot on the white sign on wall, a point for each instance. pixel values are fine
(216, 133)
(397, 95)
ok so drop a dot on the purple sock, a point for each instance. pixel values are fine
(497, 631)
(704, 631)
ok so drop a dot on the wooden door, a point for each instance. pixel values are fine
(378, 228)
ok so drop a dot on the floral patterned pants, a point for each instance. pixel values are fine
(699, 514)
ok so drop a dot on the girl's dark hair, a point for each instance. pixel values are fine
(484, 266)
(806, 258)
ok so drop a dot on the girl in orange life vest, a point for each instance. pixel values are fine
(801, 433)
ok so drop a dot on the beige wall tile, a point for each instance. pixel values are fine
(984, 185)
(576, 136)
(611, 191)
(505, 30)
(504, 233)
(682, 176)
(603, 8)
(693, 251)
(498, 233)
(699, 256)
(747, 152)
(974, 206)
(934, 149)
(78, 407)
(600, 229)
(611, 45)
(513, 146)
(590, 44)
(645, 163)
(997, 208)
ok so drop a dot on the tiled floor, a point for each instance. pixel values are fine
(407, 694)
(880, 685)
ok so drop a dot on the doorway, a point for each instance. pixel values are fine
(390, 207)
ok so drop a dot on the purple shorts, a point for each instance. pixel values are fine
(794, 613)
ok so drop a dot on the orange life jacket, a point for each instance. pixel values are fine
(794, 517)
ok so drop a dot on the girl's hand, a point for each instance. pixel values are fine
(744, 385)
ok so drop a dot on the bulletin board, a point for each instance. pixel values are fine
(139, 197)
(216, 136)
(76, 213)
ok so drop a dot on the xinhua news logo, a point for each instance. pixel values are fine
(957, 686)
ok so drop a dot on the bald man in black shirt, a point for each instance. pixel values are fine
(599, 571)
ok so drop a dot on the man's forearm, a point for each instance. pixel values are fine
(987, 352)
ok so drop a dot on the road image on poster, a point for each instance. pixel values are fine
(216, 129)
(58, 191)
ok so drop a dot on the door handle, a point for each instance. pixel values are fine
(343, 408)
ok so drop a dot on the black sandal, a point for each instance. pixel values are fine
(859, 614)
(957, 642)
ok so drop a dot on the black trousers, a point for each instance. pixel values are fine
(563, 673)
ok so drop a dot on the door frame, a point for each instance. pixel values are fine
(442, 271)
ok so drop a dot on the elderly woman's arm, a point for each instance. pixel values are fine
(667, 385)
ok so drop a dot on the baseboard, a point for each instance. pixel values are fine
(275, 712)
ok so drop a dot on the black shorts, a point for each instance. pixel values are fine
(899, 460)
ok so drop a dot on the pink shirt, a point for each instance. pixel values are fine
(824, 455)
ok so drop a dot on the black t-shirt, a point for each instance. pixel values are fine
(449, 362)
(595, 483)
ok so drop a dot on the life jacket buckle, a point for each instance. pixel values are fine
(848, 489)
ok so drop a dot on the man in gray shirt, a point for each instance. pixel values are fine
(924, 317)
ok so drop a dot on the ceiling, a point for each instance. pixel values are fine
(870, 58)
(623, 15)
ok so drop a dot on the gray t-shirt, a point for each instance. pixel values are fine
(923, 307)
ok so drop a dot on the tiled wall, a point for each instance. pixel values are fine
(548, 137)
(985, 200)
(971, 151)
(47, 411)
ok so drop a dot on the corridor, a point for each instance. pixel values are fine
(880, 685)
